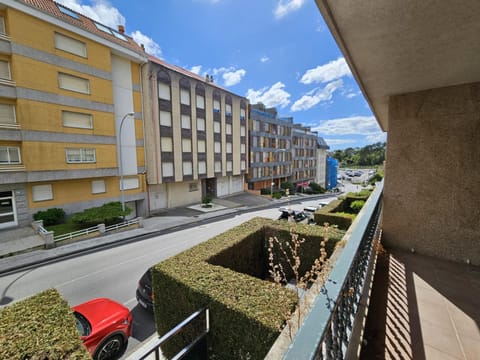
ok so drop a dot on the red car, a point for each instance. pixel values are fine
(105, 327)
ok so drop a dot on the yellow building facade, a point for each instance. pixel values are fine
(70, 113)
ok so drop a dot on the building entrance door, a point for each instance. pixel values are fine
(8, 214)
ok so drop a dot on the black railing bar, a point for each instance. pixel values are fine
(189, 347)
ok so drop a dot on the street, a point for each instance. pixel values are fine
(114, 272)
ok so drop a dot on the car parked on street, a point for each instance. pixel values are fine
(290, 214)
(144, 291)
(104, 326)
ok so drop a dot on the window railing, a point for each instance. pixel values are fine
(332, 328)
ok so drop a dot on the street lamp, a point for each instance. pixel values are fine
(121, 160)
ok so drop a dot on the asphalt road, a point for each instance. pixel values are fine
(114, 272)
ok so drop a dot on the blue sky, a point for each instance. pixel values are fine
(278, 52)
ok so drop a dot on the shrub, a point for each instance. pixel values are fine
(51, 216)
(265, 191)
(288, 185)
(316, 188)
(277, 195)
(207, 199)
(357, 205)
(376, 178)
(109, 213)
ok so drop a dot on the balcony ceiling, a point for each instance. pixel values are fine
(399, 46)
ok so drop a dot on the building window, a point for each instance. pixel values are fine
(163, 91)
(228, 129)
(200, 102)
(202, 167)
(5, 70)
(229, 147)
(77, 120)
(243, 166)
(228, 109)
(2, 25)
(80, 155)
(186, 145)
(216, 127)
(73, 83)
(9, 155)
(242, 130)
(192, 187)
(166, 144)
(242, 114)
(70, 45)
(200, 124)
(201, 146)
(216, 105)
(131, 183)
(187, 168)
(7, 114)
(167, 169)
(242, 149)
(218, 147)
(185, 96)
(42, 192)
(98, 187)
(67, 11)
(218, 166)
(229, 165)
(186, 122)
(165, 118)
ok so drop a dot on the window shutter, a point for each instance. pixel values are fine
(5, 70)
(163, 91)
(7, 114)
(42, 192)
(77, 120)
(70, 45)
(73, 83)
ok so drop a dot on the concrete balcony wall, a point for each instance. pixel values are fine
(431, 194)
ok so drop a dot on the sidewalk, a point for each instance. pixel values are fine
(165, 221)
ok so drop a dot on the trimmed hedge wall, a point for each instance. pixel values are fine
(226, 274)
(40, 327)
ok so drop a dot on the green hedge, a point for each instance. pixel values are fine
(40, 327)
(227, 274)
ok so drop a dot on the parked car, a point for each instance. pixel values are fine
(144, 291)
(104, 326)
(296, 215)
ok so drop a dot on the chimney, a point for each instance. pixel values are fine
(121, 29)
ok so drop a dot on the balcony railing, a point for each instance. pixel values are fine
(333, 327)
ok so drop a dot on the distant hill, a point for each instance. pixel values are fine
(369, 155)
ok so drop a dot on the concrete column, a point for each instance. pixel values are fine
(101, 228)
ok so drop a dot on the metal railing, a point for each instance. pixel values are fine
(153, 346)
(75, 234)
(330, 328)
(122, 225)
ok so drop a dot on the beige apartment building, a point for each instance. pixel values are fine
(195, 137)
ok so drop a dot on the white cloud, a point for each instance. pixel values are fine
(270, 97)
(332, 142)
(264, 59)
(151, 47)
(231, 78)
(355, 125)
(196, 69)
(377, 137)
(316, 96)
(324, 73)
(284, 7)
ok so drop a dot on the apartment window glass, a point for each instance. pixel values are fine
(201, 124)
(5, 70)
(202, 167)
(216, 105)
(9, 155)
(218, 146)
(98, 187)
(187, 168)
(77, 120)
(242, 114)
(163, 91)
(186, 123)
(167, 169)
(165, 118)
(242, 130)
(228, 129)
(200, 102)
(73, 83)
(218, 166)
(166, 144)
(229, 165)
(243, 166)
(7, 114)
(70, 45)
(80, 155)
(228, 109)
(242, 149)
(201, 146)
(42, 192)
(2, 25)
(216, 126)
(186, 145)
(229, 147)
(185, 96)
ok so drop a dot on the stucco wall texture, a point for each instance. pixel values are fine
(432, 183)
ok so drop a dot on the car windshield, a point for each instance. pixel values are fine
(83, 325)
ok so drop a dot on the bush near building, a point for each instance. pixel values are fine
(40, 327)
(108, 214)
(229, 275)
(51, 216)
